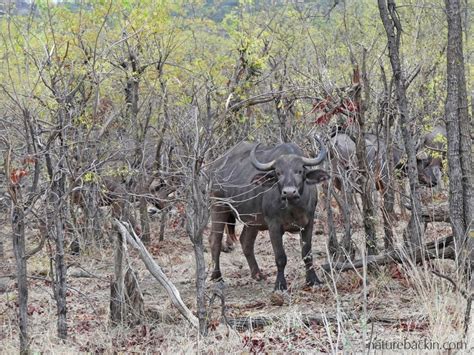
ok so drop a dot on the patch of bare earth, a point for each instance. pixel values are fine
(397, 303)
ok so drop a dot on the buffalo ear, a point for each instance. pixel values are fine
(264, 179)
(316, 176)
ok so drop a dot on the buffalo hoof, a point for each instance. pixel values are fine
(216, 275)
(227, 248)
(280, 285)
(312, 279)
(258, 276)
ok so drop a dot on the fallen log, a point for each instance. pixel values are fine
(441, 248)
(245, 323)
(434, 213)
(156, 271)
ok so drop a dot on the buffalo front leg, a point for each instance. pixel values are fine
(219, 217)
(276, 237)
(307, 255)
(247, 240)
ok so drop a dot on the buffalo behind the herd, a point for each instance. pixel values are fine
(430, 154)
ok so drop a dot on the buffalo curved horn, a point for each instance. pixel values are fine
(321, 156)
(258, 165)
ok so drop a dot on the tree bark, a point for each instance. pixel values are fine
(144, 220)
(391, 23)
(197, 217)
(126, 298)
(201, 286)
(386, 119)
(117, 287)
(333, 244)
(458, 129)
(57, 225)
(361, 153)
(19, 246)
(19, 249)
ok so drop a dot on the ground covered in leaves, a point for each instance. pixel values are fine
(394, 304)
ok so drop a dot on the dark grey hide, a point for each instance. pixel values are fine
(430, 157)
(344, 160)
(271, 188)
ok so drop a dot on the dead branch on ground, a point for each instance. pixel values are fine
(156, 271)
(441, 248)
(244, 323)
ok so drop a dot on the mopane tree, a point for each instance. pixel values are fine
(458, 128)
(393, 28)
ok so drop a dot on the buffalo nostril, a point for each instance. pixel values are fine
(289, 193)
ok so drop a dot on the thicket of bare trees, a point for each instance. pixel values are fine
(109, 109)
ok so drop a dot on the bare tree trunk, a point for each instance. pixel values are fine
(201, 286)
(144, 218)
(117, 287)
(126, 298)
(197, 206)
(458, 129)
(132, 95)
(58, 226)
(388, 211)
(367, 196)
(2, 250)
(56, 215)
(333, 244)
(197, 216)
(93, 214)
(19, 249)
(361, 153)
(345, 206)
(386, 119)
(393, 29)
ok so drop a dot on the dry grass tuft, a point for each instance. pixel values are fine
(394, 303)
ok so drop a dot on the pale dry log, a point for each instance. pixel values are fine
(157, 272)
(434, 213)
(442, 248)
(244, 323)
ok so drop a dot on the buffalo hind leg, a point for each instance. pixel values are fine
(247, 240)
(276, 237)
(306, 253)
(229, 244)
(219, 217)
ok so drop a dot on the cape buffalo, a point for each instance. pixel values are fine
(270, 188)
(344, 161)
(430, 156)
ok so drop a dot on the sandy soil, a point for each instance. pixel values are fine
(402, 303)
